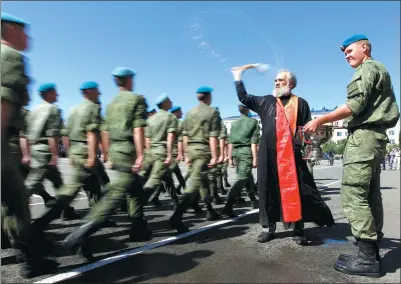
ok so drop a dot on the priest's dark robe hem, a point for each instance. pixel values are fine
(314, 209)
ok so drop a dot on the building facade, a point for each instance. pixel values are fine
(339, 132)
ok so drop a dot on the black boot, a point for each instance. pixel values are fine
(345, 257)
(139, 231)
(211, 213)
(175, 220)
(226, 184)
(217, 199)
(70, 214)
(364, 263)
(267, 236)
(228, 208)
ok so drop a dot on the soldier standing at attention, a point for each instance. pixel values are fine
(201, 129)
(44, 131)
(124, 121)
(242, 143)
(160, 136)
(370, 109)
(14, 200)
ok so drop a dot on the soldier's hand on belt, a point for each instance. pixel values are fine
(220, 160)
(138, 164)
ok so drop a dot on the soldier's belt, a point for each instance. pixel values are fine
(128, 139)
(241, 146)
(78, 142)
(378, 128)
(124, 169)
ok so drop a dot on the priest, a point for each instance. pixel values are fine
(287, 190)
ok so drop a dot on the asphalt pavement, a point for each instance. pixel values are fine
(222, 251)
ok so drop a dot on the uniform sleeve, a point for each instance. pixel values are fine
(361, 87)
(255, 139)
(103, 125)
(139, 117)
(179, 131)
(24, 127)
(172, 124)
(185, 126)
(94, 120)
(13, 79)
(223, 131)
(54, 122)
(63, 131)
(214, 125)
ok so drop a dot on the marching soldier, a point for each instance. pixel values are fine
(201, 129)
(160, 136)
(125, 121)
(16, 216)
(44, 131)
(243, 140)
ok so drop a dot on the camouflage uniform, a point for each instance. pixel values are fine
(371, 99)
(214, 172)
(244, 132)
(159, 126)
(16, 215)
(201, 123)
(126, 112)
(84, 118)
(44, 122)
(174, 167)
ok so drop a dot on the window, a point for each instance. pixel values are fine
(391, 132)
(392, 141)
(336, 124)
(339, 134)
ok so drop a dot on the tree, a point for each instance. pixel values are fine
(336, 147)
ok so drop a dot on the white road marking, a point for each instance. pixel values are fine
(80, 270)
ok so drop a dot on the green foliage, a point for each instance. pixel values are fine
(336, 147)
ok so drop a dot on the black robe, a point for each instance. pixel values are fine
(314, 209)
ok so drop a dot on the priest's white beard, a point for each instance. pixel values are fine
(281, 92)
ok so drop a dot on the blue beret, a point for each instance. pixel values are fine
(352, 40)
(88, 85)
(46, 87)
(161, 99)
(204, 89)
(123, 72)
(5, 17)
(152, 110)
(175, 108)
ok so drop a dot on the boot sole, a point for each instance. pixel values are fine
(370, 275)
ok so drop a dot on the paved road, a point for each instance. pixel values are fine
(226, 251)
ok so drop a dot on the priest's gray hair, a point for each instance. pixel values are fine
(290, 77)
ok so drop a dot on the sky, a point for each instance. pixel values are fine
(175, 47)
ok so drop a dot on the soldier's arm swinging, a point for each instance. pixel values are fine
(24, 145)
(105, 145)
(91, 137)
(139, 138)
(230, 154)
(222, 143)
(170, 142)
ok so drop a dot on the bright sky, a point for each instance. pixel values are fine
(175, 47)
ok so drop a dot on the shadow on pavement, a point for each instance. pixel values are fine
(144, 267)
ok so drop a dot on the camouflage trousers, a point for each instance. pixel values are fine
(243, 161)
(40, 170)
(16, 215)
(154, 172)
(360, 190)
(168, 181)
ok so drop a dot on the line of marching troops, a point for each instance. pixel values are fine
(143, 148)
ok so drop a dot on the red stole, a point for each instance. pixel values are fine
(286, 122)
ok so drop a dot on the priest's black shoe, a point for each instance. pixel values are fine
(265, 237)
(364, 263)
